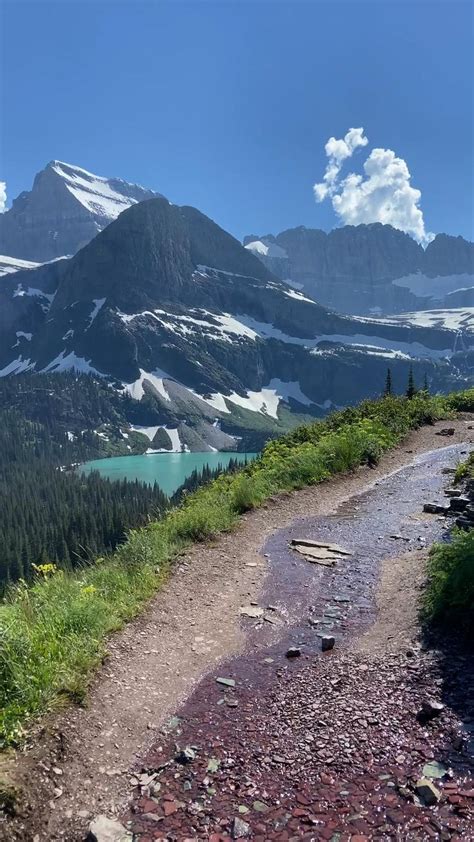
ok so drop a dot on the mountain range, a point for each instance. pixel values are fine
(371, 269)
(215, 349)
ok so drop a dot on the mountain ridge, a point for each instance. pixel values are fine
(369, 269)
(176, 312)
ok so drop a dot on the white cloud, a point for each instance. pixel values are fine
(384, 194)
(337, 151)
(3, 196)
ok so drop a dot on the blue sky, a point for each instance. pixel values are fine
(228, 105)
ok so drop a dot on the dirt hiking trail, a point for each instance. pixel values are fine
(315, 746)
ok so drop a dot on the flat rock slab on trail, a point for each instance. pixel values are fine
(323, 746)
(318, 552)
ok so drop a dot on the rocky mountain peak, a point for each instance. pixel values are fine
(447, 255)
(66, 207)
(156, 252)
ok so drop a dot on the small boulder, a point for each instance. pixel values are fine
(430, 709)
(427, 792)
(327, 642)
(435, 509)
(445, 431)
(187, 755)
(293, 652)
(103, 829)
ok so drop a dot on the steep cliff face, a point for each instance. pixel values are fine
(447, 255)
(370, 269)
(66, 207)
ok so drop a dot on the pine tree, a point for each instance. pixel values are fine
(388, 383)
(411, 388)
(426, 386)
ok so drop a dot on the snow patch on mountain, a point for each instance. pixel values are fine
(373, 343)
(155, 378)
(32, 291)
(16, 366)
(289, 389)
(98, 304)
(149, 432)
(364, 342)
(426, 287)
(9, 265)
(101, 196)
(176, 445)
(215, 326)
(71, 361)
(461, 318)
(266, 330)
(266, 401)
(292, 293)
(20, 334)
(266, 248)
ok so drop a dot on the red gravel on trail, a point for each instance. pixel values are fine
(327, 746)
(333, 752)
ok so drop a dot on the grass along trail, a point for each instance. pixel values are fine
(81, 761)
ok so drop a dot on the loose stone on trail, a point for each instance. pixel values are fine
(187, 755)
(240, 829)
(103, 829)
(427, 792)
(226, 682)
(253, 611)
(327, 642)
(434, 770)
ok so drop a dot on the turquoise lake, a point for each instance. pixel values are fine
(169, 470)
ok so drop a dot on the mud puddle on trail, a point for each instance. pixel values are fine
(226, 723)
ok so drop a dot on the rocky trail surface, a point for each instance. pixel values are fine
(218, 716)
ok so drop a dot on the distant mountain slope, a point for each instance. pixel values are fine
(66, 207)
(370, 269)
(174, 311)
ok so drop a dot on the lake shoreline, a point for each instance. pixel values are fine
(169, 471)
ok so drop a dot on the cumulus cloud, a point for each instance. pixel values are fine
(337, 151)
(3, 196)
(383, 194)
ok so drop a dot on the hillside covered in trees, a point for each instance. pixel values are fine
(49, 512)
